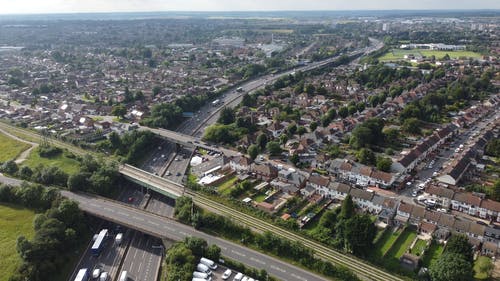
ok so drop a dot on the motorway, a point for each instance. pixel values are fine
(159, 226)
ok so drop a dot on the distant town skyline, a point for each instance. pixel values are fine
(78, 6)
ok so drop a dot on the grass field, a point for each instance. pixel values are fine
(402, 243)
(398, 54)
(479, 268)
(419, 247)
(10, 148)
(435, 250)
(14, 221)
(68, 165)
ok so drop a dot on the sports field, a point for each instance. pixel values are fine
(398, 54)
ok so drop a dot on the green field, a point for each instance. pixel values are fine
(14, 221)
(398, 54)
(10, 148)
(65, 163)
(435, 250)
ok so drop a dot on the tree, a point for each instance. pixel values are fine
(273, 148)
(347, 209)
(384, 164)
(253, 151)
(25, 173)
(198, 246)
(459, 245)
(227, 116)
(301, 130)
(366, 156)
(361, 136)
(310, 89)
(493, 148)
(412, 126)
(451, 267)
(78, 181)
(283, 139)
(213, 252)
(156, 90)
(292, 129)
(262, 141)
(294, 158)
(119, 110)
(343, 112)
(391, 136)
(313, 126)
(220, 133)
(9, 167)
(495, 191)
(359, 233)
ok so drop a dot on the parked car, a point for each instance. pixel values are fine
(226, 274)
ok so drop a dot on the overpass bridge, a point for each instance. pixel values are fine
(163, 227)
(161, 185)
(187, 140)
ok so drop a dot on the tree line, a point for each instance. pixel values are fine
(59, 226)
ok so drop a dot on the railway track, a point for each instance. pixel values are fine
(362, 269)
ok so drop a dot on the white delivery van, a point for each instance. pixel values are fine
(238, 277)
(203, 268)
(208, 262)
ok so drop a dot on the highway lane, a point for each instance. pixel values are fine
(164, 227)
(143, 257)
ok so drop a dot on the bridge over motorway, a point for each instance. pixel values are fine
(163, 227)
(161, 185)
(187, 140)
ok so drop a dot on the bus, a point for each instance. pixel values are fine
(82, 275)
(97, 246)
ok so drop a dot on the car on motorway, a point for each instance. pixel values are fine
(104, 276)
(226, 274)
(96, 273)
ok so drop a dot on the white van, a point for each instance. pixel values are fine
(245, 278)
(203, 268)
(238, 277)
(198, 279)
(208, 262)
(202, 275)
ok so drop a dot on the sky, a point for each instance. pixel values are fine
(77, 6)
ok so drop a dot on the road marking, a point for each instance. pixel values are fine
(299, 277)
(124, 214)
(93, 205)
(238, 253)
(154, 223)
(257, 261)
(278, 268)
(138, 218)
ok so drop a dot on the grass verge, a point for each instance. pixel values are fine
(10, 148)
(14, 221)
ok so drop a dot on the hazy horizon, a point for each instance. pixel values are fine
(111, 6)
